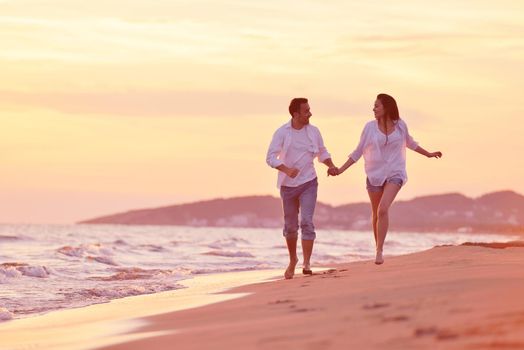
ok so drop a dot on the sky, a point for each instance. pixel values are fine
(108, 106)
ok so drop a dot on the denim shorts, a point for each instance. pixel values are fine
(391, 180)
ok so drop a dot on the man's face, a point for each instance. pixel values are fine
(303, 114)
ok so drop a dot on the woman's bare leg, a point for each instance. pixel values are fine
(374, 197)
(389, 194)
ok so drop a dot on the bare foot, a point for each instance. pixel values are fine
(379, 259)
(290, 271)
(306, 269)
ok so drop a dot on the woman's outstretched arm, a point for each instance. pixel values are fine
(334, 171)
(357, 153)
(346, 165)
(428, 154)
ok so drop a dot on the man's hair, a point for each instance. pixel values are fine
(294, 106)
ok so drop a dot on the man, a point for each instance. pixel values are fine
(292, 151)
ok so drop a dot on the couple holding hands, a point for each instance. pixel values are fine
(297, 143)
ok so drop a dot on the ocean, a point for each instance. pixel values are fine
(51, 267)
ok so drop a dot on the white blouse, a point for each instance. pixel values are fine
(384, 160)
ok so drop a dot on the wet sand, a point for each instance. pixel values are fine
(120, 320)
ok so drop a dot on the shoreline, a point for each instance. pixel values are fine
(121, 319)
(448, 297)
(418, 300)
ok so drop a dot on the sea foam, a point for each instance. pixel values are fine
(5, 314)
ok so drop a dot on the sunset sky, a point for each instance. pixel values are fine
(107, 106)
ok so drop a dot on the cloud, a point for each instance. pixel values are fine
(175, 103)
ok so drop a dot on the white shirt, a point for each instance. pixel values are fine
(384, 160)
(296, 149)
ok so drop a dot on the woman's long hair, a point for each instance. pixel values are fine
(391, 111)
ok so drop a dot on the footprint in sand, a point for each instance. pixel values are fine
(398, 318)
(283, 301)
(439, 334)
(302, 310)
(375, 306)
(446, 335)
(424, 331)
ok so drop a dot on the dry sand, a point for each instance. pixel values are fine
(465, 297)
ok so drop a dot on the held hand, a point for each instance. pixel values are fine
(292, 172)
(333, 171)
(435, 155)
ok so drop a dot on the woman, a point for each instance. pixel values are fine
(383, 143)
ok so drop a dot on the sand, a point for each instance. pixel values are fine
(465, 297)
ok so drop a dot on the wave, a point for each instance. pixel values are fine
(115, 292)
(7, 271)
(71, 251)
(239, 240)
(228, 254)
(81, 250)
(496, 245)
(176, 243)
(136, 273)
(10, 238)
(92, 252)
(14, 270)
(103, 260)
(5, 315)
(227, 243)
(120, 242)
(35, 271)
(153, 247)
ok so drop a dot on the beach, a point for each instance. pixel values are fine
(449, 297)
(74, 266)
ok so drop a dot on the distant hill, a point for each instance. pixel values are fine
(493, 212)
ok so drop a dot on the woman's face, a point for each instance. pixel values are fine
(379, 110)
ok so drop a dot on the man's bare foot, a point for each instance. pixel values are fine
(306, 269)
(290, 271)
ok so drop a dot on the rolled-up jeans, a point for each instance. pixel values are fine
(301, 199)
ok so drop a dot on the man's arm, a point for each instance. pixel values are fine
(291, 172)
(273, 155)
(332, 169)
(329, 163)
(325, 157)
(274, 149)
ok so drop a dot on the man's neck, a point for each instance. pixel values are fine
(296, 125)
